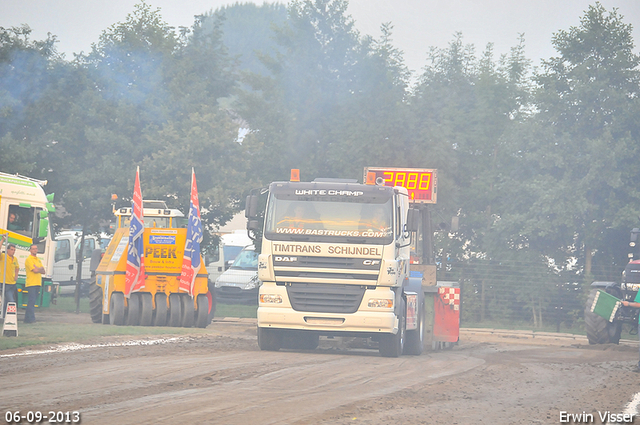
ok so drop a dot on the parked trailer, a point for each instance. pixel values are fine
(159, 302)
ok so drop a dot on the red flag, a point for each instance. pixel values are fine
(191, 259)
(135, 276)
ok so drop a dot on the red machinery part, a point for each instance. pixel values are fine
(446, 325)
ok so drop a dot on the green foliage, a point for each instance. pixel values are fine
(539, 168)
(575, 156)
(246, 30)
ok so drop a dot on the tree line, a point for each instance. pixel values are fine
(539, 163)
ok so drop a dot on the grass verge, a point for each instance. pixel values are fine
(45, 332)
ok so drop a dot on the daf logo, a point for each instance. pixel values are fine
(286, 259)
(371, 262)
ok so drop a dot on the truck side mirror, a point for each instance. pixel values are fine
(251, 208)
(253, 225)
(634, 237)
(413, 218)
(43, 228)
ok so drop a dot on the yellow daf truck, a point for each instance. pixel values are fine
(159, 302)
(335, 261)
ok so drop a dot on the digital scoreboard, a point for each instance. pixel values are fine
(421, 183)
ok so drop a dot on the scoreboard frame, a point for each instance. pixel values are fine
(421, 183)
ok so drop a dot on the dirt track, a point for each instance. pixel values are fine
(222, 378)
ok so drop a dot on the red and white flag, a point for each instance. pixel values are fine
(191, 260)
(135, 276)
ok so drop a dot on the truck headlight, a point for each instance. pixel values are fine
(381, 303)
(631, 286)
(270, 299)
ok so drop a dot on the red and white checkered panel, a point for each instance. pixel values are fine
(450, 296)
(11, 308)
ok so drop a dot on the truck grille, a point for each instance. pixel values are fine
(325, 298)
(305, 267)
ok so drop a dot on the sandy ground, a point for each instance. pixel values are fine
(222, 377)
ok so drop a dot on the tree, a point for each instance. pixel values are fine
(576, 154)
(463, 109)
(246, 30)
(27, 72)
(332, 103)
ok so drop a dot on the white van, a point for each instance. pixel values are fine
(239, 284)
(226, 252)
(65, 268)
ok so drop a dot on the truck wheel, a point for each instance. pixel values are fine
(160, 318)
(175, 310)
(392, 345)
(146, 309)
(116, 309)
(597, 327)
(133, 312)
(202, 315)
(415, 339)
(188, 311)
(269, 339)
(95, 302)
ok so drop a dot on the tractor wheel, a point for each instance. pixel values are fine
(599, 330)
(188, 311)
(202, 315)
(175, 310)
(211, 297)
(392, 345)
(95, 302)
(269, 339)
(116, 309)
(415, 338)
(133, 312)
(161, 312)
(146, 309)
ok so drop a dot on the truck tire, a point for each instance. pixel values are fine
(116, 309)
(146, 309)
(95, 302)
(269, 339)
(188, 316)
(415, 339)
(161, 312)
(202, 315)
(392, 345)
(599, 330)
(175, 311)
(133, 310)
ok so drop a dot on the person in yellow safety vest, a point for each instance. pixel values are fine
(34, 268)
(12, 268)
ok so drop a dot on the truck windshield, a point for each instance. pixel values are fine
(366, 220)
(157, 222)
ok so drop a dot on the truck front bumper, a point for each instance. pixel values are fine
(358, 322)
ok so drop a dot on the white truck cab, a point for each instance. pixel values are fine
(65, 268)
(225, 253)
